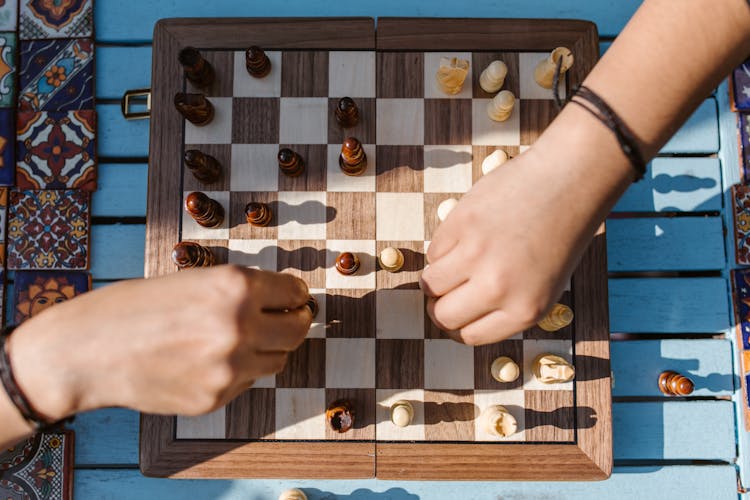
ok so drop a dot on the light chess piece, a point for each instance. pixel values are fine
(347, 112)
(391, 259)
(347, 263)
(552, 369)
(402, 413)
(353, 160)
(557, 318)
(497, 421)
(291, 164)
(544, 73)
(505, 370)
(205, 211)
(257, 62)
(672, 383)
(340, 416)
(493, 77)
(494, 160)
(205, 168)
(293, 494)
(258, 214)
(197, 69)
(445, 208)
(501, 106)
(187, 255)
(451, 74)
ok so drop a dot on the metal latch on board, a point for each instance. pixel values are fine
(133, 98)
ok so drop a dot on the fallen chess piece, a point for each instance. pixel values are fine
(451, 74)
(557, 318)
(402, 413)
(501, 106)
(672, 383)
(187, 255)
(446, 207)
(497, 421)
(391, 259)
(340, 416)
(493, 77)
(494, 160)
(195, 108)
(505, 370)
(552, 369)
(205, 168)
(205, 211)
(197, 69)
(544, 73)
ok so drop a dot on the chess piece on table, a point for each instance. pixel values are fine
(505, 370)
(204, 210)
(258, 214)
(497, 421)
(391, 259)
(347, 113)
(451, 74)
(493, 77)
(293, 494)
(195, 108)
(501, 106)
(187, 255)
(347, 263)
(446, 207)
(340, 416)
(353, 160)
(291, 164)
(205, 168)
(197, 69)
(312, 304)
(494, 160)
(672, 383)
(552, 369)
(559, 317)
(544, 73)
(402, 413)
(257, 62)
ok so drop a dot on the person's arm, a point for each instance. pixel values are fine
(506, 251)
(183, 344)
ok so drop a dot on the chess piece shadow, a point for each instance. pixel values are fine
(448, 412)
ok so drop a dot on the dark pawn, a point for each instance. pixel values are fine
(290, 163)
(340, 416)
(187, 255)
(195, 108)
(347, 113)
(258, 214)
(353, 160)
(205, 168)
(347, 263)
(312, 304)
(197, 70)
(257, 62)
(673, 384)
(205, 211)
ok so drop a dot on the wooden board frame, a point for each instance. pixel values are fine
(589, 458)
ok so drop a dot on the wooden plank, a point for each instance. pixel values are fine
(699, 134)
(669, 305)
(672, 431)
(665, 244)
(119, 138)
(676, 185)
(637, 364)
(121, 191)
(117, 251)
(111, 80)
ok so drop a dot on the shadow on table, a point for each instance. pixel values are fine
(361, 494)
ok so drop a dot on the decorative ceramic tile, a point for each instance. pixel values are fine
(49, 230)
(56, 150)
(40, 467)
(7, 149)
(744, 131)
(7, 69)
(740, 87)
(56, 75)
(35, 291)
(56, 19)
(3, 224)
(741, 218)
(8, 15)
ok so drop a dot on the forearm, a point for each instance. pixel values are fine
(13, 428)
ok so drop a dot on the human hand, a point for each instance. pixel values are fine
(183, 344)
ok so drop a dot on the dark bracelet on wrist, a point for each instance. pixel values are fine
(16, 395)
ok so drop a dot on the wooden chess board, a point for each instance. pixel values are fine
(371, 342)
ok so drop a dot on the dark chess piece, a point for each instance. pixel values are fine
(205, 168)
(257, 62)
(258, 214)
(195, 108)
(347, 263)
(353, 160)
(197, 70)
(673, 384)
(205, 211)
(312, 304)
(187, 254)
(347, 113)
(290, 163)
(340, 416)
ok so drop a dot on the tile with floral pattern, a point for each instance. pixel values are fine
(7, 147)
(743, 123)
(7, 70)
(41, 19)
(56, 75)
(48, 230)
(35, 291)
(39, 468)
(741, 222)
(56, 150)
(739, 87)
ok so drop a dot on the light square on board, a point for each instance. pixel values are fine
(480, 61)
(529, 89)
(300, 414)
(364, 278)
(535, 117)
(350, 313)
(350, 216)
(254, 167)
(304, 73)
(209, 426)
(303, 120)
(399, 216)
(400, 314)
(191, 230)
(239, 228)
(318, 325)
(258, 254)
(440, 359)
(513, 401)
(219, 130)
(552, 416)
(222, 153)
(255, 120)
(534, 348)
(244, 85)
(305, 259)
(350, 363)
(223, 63)
(305, 366)
(364, 130)
(337, 180)
(431, 66)
(485, 355)
(447, 121)
(302, 215)
(447, 169)
(251, 415)
(400, 122)
(9, 16)
(315, 158)
(449, 415)
(363, 405)
(487, 132)
(400, 75)
(408, 276)
(351, 74)
(45, 19)
(400, 169)
(400, 363)
(386, 429)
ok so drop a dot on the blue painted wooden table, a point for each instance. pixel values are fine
(668, 258)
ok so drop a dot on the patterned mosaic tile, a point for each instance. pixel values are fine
(48, 230)
(7, 149)
(56, 75)
(743, 123)
(35, 291)
(56, 150)
(7, 70)
(741, 218)
(740, 87)
(39, 468)
(41, 19)
(3, 225)
(8, 15)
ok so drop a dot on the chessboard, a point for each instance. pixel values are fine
(371, 342)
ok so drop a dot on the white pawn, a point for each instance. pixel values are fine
(402, 413)
(505, 370)
(501, 106)
(494, 160)
(445, 208)
(492, 78)
(391, 259)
